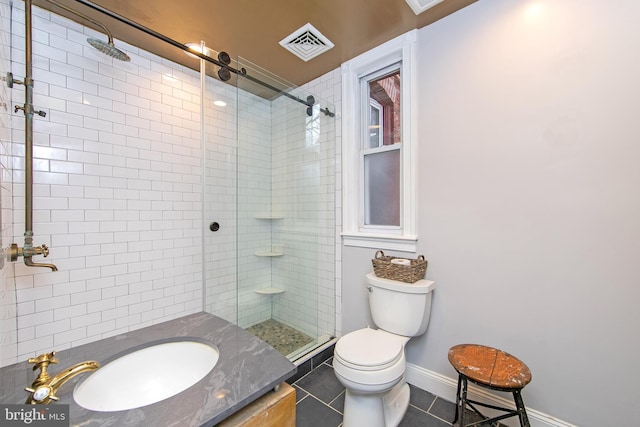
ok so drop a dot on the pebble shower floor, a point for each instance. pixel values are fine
(283, 338)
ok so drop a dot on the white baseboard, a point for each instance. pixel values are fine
(446, 387)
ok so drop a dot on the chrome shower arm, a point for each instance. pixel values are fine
(85, 17)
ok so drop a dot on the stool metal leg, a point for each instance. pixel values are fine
(455, 419)
(522, 412)
(463, 404)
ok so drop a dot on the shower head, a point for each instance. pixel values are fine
(108, 49)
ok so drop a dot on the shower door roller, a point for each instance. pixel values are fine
(214, 226)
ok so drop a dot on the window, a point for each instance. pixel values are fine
(378, 147)
(380, 150)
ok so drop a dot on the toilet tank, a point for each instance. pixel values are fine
(400, 308)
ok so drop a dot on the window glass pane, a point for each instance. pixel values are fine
(385, 92)
(382, 188)
(375, 122)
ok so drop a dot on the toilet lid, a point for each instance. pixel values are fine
(369, 348)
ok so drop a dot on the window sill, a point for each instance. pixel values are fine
(381, 241)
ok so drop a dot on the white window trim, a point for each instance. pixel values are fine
(402, 48)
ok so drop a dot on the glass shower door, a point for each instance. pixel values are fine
(219, 222)
(282, 236)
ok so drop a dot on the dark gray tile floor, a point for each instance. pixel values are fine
(320, 401)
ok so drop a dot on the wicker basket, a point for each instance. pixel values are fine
(383, 267)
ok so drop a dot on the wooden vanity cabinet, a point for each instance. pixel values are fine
(274, 409)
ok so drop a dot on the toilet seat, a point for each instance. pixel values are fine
(369, 350)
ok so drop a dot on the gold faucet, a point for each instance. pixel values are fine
(44, 388)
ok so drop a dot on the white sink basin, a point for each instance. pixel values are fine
(146, 376)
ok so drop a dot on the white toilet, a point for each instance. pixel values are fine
(370, 363)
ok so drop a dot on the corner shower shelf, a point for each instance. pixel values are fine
(269, 253)
(269, 216)
(269, 291)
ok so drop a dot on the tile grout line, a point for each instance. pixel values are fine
(325, 404)
(318, 399)
(335, 398)
(428, 411)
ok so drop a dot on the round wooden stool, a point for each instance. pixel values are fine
(491, 368)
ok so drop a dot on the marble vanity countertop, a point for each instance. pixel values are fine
(247, 368)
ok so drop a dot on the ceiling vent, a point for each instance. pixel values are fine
(306, 42)
(420, 6)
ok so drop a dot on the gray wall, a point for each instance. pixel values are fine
(528, 198)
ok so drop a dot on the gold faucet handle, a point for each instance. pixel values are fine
(43, 360)
(41, 394)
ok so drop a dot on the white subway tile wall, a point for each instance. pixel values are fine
(118, 197)
(117, 190)
(8, 306)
